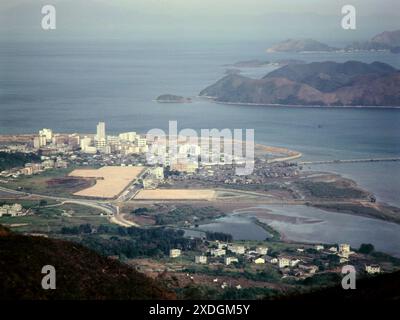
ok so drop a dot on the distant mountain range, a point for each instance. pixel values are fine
(388, 40)
(259, 63)
(328, 83)
(80, 273)
(300, 45)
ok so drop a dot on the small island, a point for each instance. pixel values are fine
(170, 98)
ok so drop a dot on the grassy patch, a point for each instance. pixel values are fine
(54, 182)
(331, 190)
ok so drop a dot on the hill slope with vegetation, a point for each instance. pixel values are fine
(80, 273)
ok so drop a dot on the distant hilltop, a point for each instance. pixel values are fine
(170, 98)
(385, 41)
(300, 45)
(259, 63)
(327, 83)
(388, 40)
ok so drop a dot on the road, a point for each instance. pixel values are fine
(132, 189)
(107, 208)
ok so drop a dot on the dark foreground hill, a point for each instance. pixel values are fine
(384, 287)
(328, 83)
(80, 272)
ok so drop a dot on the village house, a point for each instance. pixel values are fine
(344, 248)
(333, 249)
(174, 253)
(271, 260)
(12, 210)
(200, 259)
(217, 252)
(221, 245)
(229, 260)
(238, 249)
(262, 250)
(283, 262)
(294, 262)
(259, 261)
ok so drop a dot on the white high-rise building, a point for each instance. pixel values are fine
(100, 139)
(128, 136)
(85, 142)
(141, 142)
(47, 133)
(39, 142)
(101, 131)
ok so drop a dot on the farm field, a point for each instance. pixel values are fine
(110, 180)
(176, 194)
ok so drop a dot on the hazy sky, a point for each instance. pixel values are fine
(197, 19)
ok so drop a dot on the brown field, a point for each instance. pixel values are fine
(110, 182)
(176, 194)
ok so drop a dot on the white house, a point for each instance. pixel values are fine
(344, 248)
(238, 249)
(283, 262)
(229, 260)
(294, 262)
(174, 253)
(218, 252)
(262, 250)
(200, 259)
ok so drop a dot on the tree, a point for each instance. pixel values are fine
(366, 248)
(42, 203)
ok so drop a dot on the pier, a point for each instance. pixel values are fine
(348, 161)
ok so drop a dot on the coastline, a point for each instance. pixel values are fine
(295, 105)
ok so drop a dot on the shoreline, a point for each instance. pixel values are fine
(295, 105)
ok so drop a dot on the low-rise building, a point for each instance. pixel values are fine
(229, 260)
(319, 247)
(174, 253)
(238, 249)
(218, 252)
(12, 210)
(333, 249)
(271, 259)
(259, 261)
(158, 173)
(200, 259)
(294, 262)
(283, 262)
(221, 245)
(344, 248)
(262, 250)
